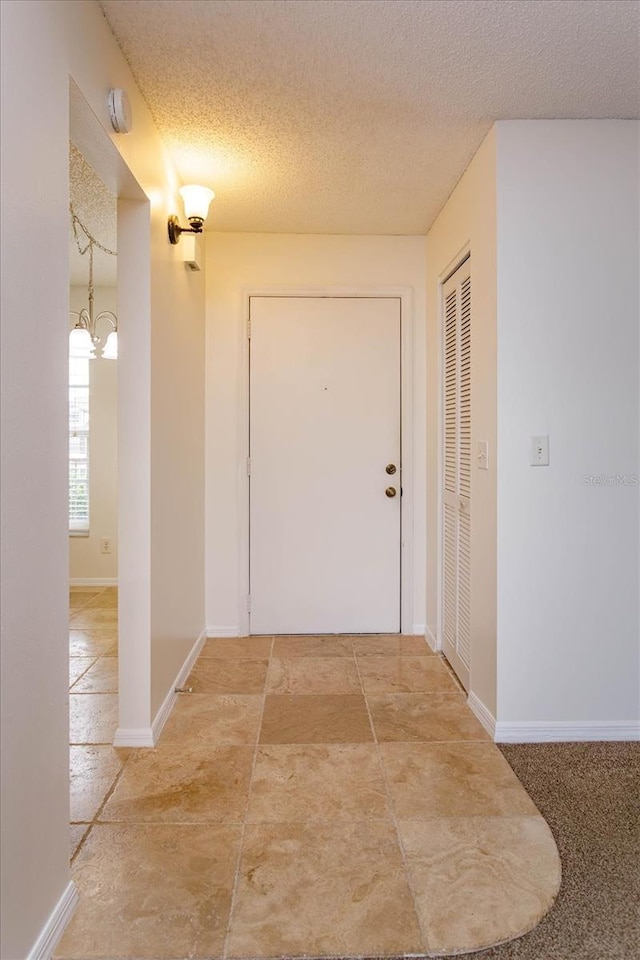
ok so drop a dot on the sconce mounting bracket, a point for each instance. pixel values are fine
(175, 229)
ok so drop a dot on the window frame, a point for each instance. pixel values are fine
(79, 381)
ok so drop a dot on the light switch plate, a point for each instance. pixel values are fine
(539, 451)
(483, 455)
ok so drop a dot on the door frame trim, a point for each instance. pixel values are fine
(405, 295)
(134, 237)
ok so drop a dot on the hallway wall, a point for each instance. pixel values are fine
(551, 210)
(161, 374)
(568, 288)
(468, 221)
(240, 262)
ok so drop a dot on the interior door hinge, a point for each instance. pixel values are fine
(248, 603)
(248, 466)
(249, 329)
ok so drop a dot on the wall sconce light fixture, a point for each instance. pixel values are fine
(196, 207)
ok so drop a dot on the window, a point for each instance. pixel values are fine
(79, 446)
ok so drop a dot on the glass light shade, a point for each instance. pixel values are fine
(196, 201)
(110, 349)
(80, 344)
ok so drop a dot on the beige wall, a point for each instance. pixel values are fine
(549, 210)
(568, 271)
(86, 561)
(161, 371)
(468, 221)
(177, 471)
(237, 263)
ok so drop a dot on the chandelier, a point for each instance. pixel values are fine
(85, 340)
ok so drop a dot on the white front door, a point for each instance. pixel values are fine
(324, 428)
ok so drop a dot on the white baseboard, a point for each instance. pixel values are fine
(163, 713)
(485, 716)
(134, 737)
(53, 929)
(418, 629)
(430, 636)
(549, 732)
(148, 736)
(566, 732)
(93, 582)
(223, 632)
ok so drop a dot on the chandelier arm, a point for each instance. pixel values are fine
(110, 316)
(81, 318)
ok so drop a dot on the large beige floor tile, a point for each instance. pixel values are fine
(315, 890)
(247, 648)
(424, 716)
(228, 676)
(480, 881)
(318, 782)
(433, 780)
(152, 891)
(103, 601)
(93, 643)
(94, 618)
(93, 718)
(102, 677)
(405, 675)
(79, 598)
(93, 770)
(172, 785)
(325, 646)
(393, 645)
(302, 675)
(315, 719)
(76, 833)
(78, 666)
(213, 719)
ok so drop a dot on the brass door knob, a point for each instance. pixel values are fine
(390, 468)
(390, 491)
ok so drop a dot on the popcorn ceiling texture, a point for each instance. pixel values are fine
(359, 116)
(96, 207)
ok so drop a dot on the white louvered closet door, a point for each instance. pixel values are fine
(456, 520)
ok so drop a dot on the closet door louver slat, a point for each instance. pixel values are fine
(450, 559)
(450, 393)
(465, 389)
(464, 588)
(456, 525)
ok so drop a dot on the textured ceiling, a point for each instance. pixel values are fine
(96, 208)
(359, 116)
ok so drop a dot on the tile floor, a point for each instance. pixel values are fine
(93, 704)
(313, 796)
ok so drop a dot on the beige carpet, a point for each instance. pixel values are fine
(589, 794)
